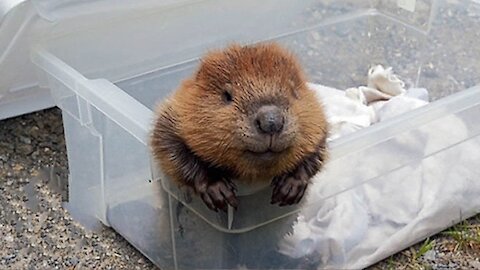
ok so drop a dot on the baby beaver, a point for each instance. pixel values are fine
(246, 114)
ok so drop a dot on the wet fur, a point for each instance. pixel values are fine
(198, 139)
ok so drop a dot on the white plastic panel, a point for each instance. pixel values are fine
(19, 92)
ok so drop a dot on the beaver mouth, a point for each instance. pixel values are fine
(266, 155)
(267, 148)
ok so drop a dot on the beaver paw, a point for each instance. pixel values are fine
(217, 194)
(289, 189)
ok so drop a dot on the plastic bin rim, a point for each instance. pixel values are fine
(138, 123)
(6, 6)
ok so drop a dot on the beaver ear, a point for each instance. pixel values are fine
(209, 68)
(200, 73)
(217, 64)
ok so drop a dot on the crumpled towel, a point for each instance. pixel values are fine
(375, 219)
(363, 207)
(356, 108)
(369, 221)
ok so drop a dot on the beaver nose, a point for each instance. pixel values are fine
(269, 119)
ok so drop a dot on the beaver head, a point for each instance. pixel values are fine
(248, 109)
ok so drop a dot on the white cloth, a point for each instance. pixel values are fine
(363, 207)
(356, 108)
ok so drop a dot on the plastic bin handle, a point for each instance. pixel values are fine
(117, 105)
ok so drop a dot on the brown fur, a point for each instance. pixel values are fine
(198, 134)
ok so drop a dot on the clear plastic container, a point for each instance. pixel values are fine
(19, 91)
(107, 77)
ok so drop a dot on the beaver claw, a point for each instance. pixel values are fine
(289, 189)
(216, 194)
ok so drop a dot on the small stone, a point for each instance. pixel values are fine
(430, 255)
(25, 149)
(475, 264)
(11, 256)
(35, 154)
(25, 140)
(73, 261)
(17, 167)
(7, 145)
(34, 131)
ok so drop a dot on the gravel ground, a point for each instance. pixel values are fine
(35, 231)
(457, 247)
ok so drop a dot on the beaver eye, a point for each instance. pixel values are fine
(227, 97)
